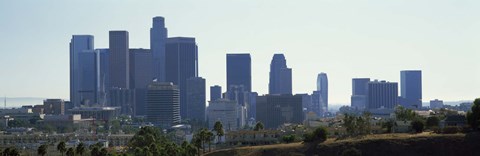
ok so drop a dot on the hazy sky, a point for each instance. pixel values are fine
(345, 39)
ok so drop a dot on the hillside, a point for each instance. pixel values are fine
(373, 145)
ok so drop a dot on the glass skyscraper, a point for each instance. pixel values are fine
(322, 86)
(119, 59)
(80, 44)
(158, 37)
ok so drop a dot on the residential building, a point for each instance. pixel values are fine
(382, 94)
(359, 93)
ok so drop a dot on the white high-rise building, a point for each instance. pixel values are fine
(225, 111)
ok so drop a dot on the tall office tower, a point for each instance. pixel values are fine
(280, 76)
(252, 105)
(196, 99)
(78, 44)
(215, 92)
(119, 61)
(163, 107)
(88, 77)
(359, 93)
(275, 110)
(306, 102)
(181, 63)
(102, 76)
(436, 104)
(239, 71)
(225, 111)
(322, 86)
(411, 88)
(140, 77)
(158, 37)
(382, 94)
(54, 106)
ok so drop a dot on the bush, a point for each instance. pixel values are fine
(319, 134)
(450, 130)
(432, 121)
(417, 126)
(436, 130)
(351, 152)
(288, 138)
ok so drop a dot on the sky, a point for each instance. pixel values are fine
(344, 38)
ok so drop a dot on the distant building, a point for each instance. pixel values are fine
(99, 113)
(196, 99)
(436, 104)
(78, 44)
(411, 88)
(322, 86)
(280, 76)
(181, 64)
(163, 104)
(359, 93)
(316, 106)
(215, 92)
(275, 110)
(54, 106)
(123, 98)
(103, 77)
(252, 106)
(140, 77)
(225, 111)
(382, 94)
(87, 90)
(306, 102)
(158, 37)
(239, 71)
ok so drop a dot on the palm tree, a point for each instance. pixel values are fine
(42, 150)
(202, 136)
(62, 147)
(70, 152)
(80, 148)
(218, 127)
(209, 137)
(197, 142)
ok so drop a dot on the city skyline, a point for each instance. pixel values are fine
(428, 56)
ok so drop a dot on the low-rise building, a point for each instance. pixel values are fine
(249, 137)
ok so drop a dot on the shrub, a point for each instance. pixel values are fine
(417, 126)
(319, 134)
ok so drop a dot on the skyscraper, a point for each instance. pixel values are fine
(158, 37)
(140, 77)
(88, 77)
(181, 63)
(239, 71)
(411, 88)
(78, 44)
(163, 106)
(119, 59)
(215, 92)
(359, 92)
(280, 76)
(196, 99)
(322, 86)
(382, 94)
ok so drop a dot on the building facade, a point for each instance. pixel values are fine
(54, 106)
(276, 110)
(436, 104)
(411, 88)
(78, 44)
(322, 86)
(119, 62)
(158, 37)
(181, 64)
(239, 71)
(163, 104)
(196, 99)
(359, 93)
(140, 77)
(215, 92)
(225, 111)
(382, 94)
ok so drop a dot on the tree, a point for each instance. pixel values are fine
(197, 142)
(258, 126)
(209, 137)
(218, 127)
(81, 149)
(61, 147)
(388, 125)
(405, 114)
(417, 126)
(473, 116)
(95, 151)
(104, 152)
(42, 150)
(318, 135)
(70, 152)
(432, 121)
(288, 138)
(11, 151)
